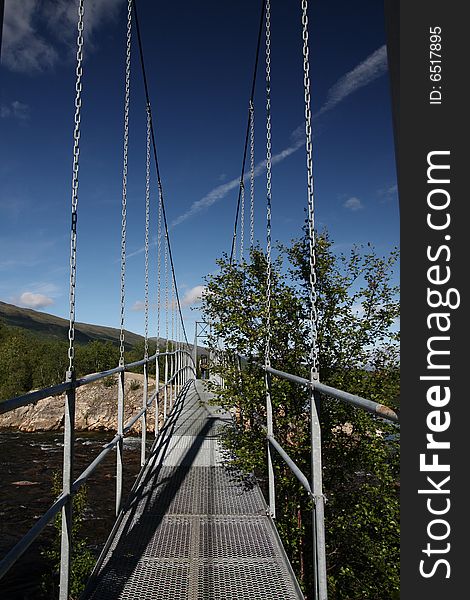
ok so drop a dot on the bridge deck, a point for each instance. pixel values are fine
(192, 529)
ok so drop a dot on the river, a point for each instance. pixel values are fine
(27, 464)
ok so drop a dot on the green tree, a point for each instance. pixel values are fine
(357, 309)
(15, 364)
(82, 559)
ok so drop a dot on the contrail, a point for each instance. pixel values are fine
(364, 73)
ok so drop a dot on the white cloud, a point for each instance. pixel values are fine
(193, 295)
(35, 32)
(138, 306)
(15, 110)
(31, 300)
(388, 194)
(364, 73)
(353, 204)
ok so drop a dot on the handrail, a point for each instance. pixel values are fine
(179, 378)
(54, 390)
(315, 490)
(369, 405)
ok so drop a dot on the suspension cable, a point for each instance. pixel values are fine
(268, 185)
(252, 174)
(159, 266)
(147, 222)
(252, 95)
(159, 181)
(311, 213)
(124, 178)
(76, 153)
(166, 293)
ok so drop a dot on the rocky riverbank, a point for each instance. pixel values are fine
(96, 408)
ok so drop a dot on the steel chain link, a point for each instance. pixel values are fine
(252, 174)
(76, 154)
(167, 282)
(242, 219)
(268, 184)
(147, 223)
(124, 178)
(159, 267)
(311, 213)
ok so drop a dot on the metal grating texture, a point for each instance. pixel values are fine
(193, 529)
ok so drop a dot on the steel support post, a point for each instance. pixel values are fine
(269, 426)
(120, 444)
(143, 433)
(180, 366)
(157, 395)
(318, 513)
(172, 381)
(165, 391)
(67, 480)
(178, 371)
(195, 352)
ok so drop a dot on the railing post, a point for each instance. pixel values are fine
(157, 394)
(172, 384)
(67, 480)
(195, 352)
(269, 426)
(165, 390)
(143, 436)
(120, 444)
(318, 513)
(179, 371)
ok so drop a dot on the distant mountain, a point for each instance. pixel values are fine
(50, 326)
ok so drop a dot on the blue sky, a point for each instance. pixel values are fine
(199, 59)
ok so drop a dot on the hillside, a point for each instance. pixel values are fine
(52, 327)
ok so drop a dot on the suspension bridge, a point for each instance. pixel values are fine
(192, 527)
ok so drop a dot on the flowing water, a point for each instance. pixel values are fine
(27, 464)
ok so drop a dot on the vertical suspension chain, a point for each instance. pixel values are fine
(147, 223)
(268, 184)
(267, 355)
(252, 174)
(311, 213)
(166, 291)
(76, 154)
(159, 265)
(124, 177)
(319, 546)
(159, 310)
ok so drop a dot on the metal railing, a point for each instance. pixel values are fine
(315, 488)
(178, 369)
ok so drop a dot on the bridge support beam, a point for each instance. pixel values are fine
(67, 480)
(318, 513)
(157, 394)
(270, 430)
(165, 391)
(143, 436)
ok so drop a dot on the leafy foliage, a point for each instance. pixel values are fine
(82, 559)
(29, 362)
(357, 308)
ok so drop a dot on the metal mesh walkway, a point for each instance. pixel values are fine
(193, 530)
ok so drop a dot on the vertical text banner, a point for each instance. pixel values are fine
(433, 165)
